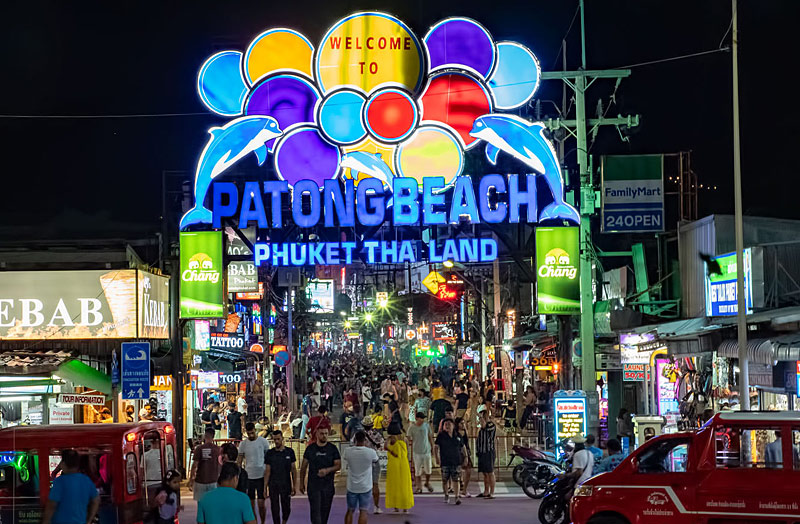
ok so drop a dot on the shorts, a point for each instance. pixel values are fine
(460, 413)
(422, 465)
(486, 463)
(451, 473)
(255, 487)
(199, 489)
(376, 473)
(361, 501)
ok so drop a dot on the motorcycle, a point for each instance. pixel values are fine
(554, 508)
(533, 458)
(540, 468)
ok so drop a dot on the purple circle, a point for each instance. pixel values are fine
(302, 153)
(461, 42)
(289, 99)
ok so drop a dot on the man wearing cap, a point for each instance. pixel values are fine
(374, 441)
(321, 460)
(582, 460)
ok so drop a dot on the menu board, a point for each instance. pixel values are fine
(570, 416)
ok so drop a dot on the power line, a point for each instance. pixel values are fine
(674, 58)
(569, 29)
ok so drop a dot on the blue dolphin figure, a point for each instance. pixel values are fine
(368, 164)
(228, 144)
(526, 142)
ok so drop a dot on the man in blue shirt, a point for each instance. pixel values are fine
(613, 459)
(597, 452)
(225, 505)
(73, 499)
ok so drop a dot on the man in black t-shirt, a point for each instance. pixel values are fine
(281, 478)
(216, 423)
(235, 420)
(461, 403)
(230, 454)
(450, 455)
(322, 461)
(439, 407)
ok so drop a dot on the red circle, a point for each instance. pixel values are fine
(391, 115)
(456, 100)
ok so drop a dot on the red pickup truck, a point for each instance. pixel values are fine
(740, 467)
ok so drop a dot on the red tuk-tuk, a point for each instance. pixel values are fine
(740, 467)
(125, 461)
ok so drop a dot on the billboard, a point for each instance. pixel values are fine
(242, 277)
(557, 261)
(83, 304)
(633, 193)
(320, 296)
(721, 294)
(153, 296)
(201, 275)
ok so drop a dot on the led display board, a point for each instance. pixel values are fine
(124, 303)
(320, 296)
(201, 275)
(557, 262)
(721, 293)
(570, 416)
(373, 124)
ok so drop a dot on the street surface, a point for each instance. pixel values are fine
(510, 506)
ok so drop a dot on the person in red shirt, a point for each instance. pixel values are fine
(315, 422)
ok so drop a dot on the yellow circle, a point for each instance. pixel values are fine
(369, 146)
(431, 151)
(366, 50)
(277, 49)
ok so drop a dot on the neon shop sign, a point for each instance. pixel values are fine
(376, 124)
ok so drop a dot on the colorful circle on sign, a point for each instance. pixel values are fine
(290, 99)
(277, 50)
(390, 115)
(366, 50)
(463, 43)
(516, 77)
(456, 99)
(369, 145)
(431, 151)
(339, 116)
(220, 83)
(303, 153)
(282, 358)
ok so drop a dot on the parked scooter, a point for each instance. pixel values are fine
(554, 508)
(538, 470)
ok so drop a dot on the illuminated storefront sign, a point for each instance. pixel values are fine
(557, 262)
(201, 275)
(124, 303)
(635, 372)
(372, 124)
(570, 414)
(79, 398)
(443, 330)
(721, 298)
(227, 341)
(635, 347)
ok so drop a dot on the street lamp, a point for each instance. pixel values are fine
(368, 317)
(448, 263)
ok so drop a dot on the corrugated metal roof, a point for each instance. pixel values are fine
(28, 362)
(695, 238)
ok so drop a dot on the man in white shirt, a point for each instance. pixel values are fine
(241, 404)
(359, 459)
(582, 460)
(252, 451)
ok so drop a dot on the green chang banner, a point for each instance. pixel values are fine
(557, 269)
(201, 275)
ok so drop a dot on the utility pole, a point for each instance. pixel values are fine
(741, 304)
(579, 81)
(290, 396)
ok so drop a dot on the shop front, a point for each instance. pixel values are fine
(59, 331)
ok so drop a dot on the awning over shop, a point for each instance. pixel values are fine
(535, 342)
(759, 350)
(86, 376)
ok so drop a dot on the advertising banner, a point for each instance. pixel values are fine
(201, 275)
(320, 296)
(153, 305)
(721, 295)
(633, 193)
(83, 305)
(557, 260)
(569, 408)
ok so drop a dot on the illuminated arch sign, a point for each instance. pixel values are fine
(375, 123)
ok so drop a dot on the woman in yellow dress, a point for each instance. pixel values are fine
(399, 494)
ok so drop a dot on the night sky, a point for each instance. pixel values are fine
(92, 58)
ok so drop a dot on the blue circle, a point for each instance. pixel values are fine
(282, 358)
(516, 77)
(339, 117)
(220, 83)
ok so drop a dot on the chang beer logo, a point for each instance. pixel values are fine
(201, 269)
(557, 264)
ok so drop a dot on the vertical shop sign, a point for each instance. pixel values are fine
(201, 275)
(557, 257)
(633, 194)
(135, 370)
(570, 414)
